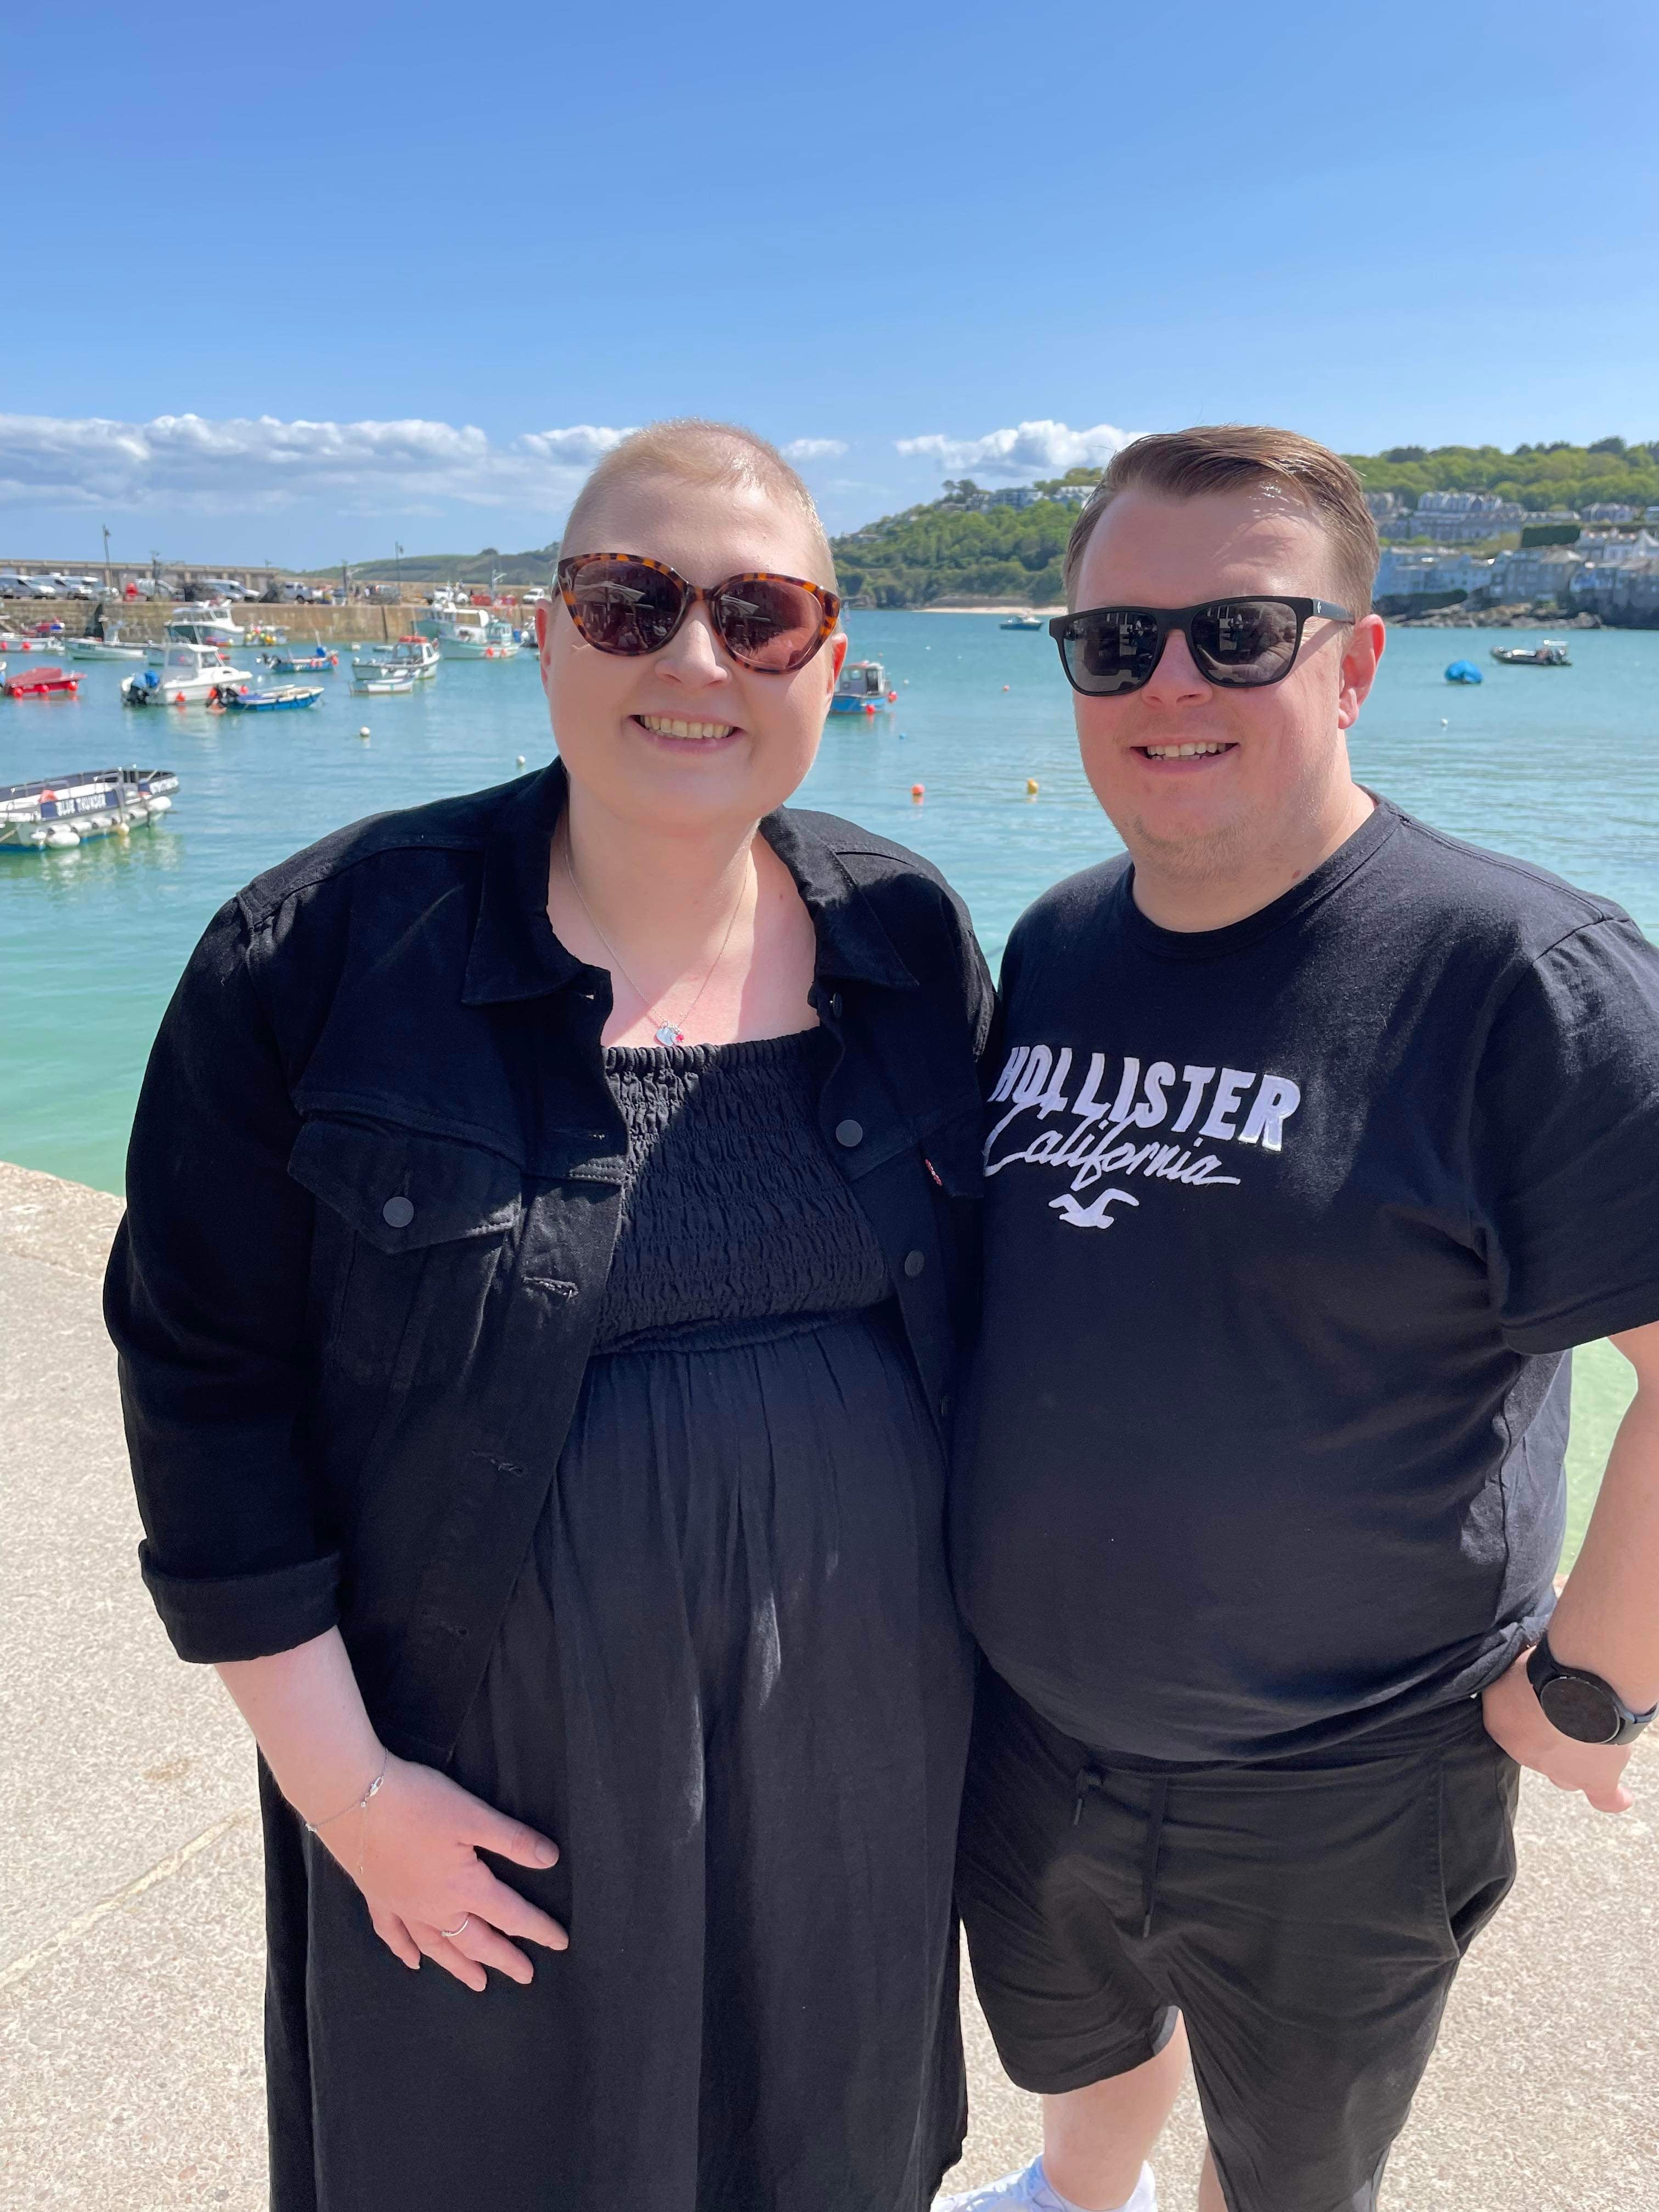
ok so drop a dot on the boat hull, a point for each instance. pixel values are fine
(288, 699)
(182, 690)
(87, 803)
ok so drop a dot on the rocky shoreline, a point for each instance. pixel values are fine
(1526, 615)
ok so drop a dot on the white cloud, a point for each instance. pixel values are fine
(1031, 449)
(262, 465)
(813, 449)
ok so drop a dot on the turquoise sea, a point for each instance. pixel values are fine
(1560, 766)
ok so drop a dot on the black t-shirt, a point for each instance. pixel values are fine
(1288, 1226)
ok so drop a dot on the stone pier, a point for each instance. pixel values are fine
(130, 1914)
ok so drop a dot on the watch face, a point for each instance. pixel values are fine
(1581, 1709)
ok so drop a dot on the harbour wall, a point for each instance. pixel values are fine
(144, 622)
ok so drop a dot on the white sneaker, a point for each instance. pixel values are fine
(1031, 2192)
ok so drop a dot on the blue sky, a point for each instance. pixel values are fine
(313, 280)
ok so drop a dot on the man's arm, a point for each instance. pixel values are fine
(1608, 1619)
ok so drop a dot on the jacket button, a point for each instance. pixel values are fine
(913, 1263)
(398, 1213)
(835, 1003)
(849, 1134)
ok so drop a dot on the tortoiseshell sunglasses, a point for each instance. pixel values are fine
(624, 602)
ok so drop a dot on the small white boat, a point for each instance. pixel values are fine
(468, 633)
(1551, 653)
(103, 642)
(381, 679)
(205, 621)
(59, 811)
(416, 657)
(1023, 621)
(188, 677)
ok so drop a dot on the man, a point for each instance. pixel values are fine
(1317, 1140)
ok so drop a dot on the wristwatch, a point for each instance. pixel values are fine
(1580, 1705)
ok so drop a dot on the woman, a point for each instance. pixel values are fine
(549, 1212)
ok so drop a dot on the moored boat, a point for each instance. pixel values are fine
(45, 682)
(277, 698)
(187, 678)
(13, 640)
(318, 662)
(1023, 621)
(103, 642)
(467, 633)
(416, 657)
(1551, 653)
(862, 690)
(57, 812)
(205, 621)
(381, 679)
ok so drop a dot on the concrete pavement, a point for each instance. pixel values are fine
(129, 1916)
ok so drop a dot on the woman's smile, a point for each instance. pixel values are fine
(680, 729)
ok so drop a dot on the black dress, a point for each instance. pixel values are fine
(731, 1684)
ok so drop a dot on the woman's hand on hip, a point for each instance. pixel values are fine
(413, 1851)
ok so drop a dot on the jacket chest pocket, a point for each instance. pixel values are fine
(414, 1243)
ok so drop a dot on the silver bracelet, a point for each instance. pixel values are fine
(357, 1805)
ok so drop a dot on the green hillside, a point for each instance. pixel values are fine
(950, 550)
(424, 568)
(944, 552)
(1538, 476)
(953, 549)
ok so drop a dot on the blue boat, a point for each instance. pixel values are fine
(862, 690)
(1463, 672)
(283, 699)
(303, 663)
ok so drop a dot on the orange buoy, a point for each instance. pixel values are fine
(1006, 687)
(177, 698)
(892, 698)
(869, 706)
(918, 791)
(1031, 787)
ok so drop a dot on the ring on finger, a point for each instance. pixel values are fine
(450, 1934)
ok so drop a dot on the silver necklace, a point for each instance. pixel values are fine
(665, 1032)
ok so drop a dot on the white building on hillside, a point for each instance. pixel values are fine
(1421, 573)
(1535, 572)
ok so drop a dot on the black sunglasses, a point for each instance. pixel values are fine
(1106, 651)
(624, 602)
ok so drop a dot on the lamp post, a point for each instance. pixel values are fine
(398, 555)
(106, 556)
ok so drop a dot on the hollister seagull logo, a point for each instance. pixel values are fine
(1097, 1139)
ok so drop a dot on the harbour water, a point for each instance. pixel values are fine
(1558, 765)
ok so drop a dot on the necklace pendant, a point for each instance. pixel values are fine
(667, 1034)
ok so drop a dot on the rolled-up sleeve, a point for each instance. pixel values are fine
(206, 1300)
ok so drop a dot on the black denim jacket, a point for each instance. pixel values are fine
(373, 1191)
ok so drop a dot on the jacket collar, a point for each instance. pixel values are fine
(515, 955)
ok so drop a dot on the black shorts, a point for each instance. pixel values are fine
(1304, 1917)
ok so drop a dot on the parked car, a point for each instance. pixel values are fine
(39, 587)
(13, 587)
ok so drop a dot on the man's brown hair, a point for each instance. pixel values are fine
(1226, 457)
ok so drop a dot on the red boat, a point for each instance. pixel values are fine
(36, 683)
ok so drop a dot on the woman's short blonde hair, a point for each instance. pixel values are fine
(703, 452)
